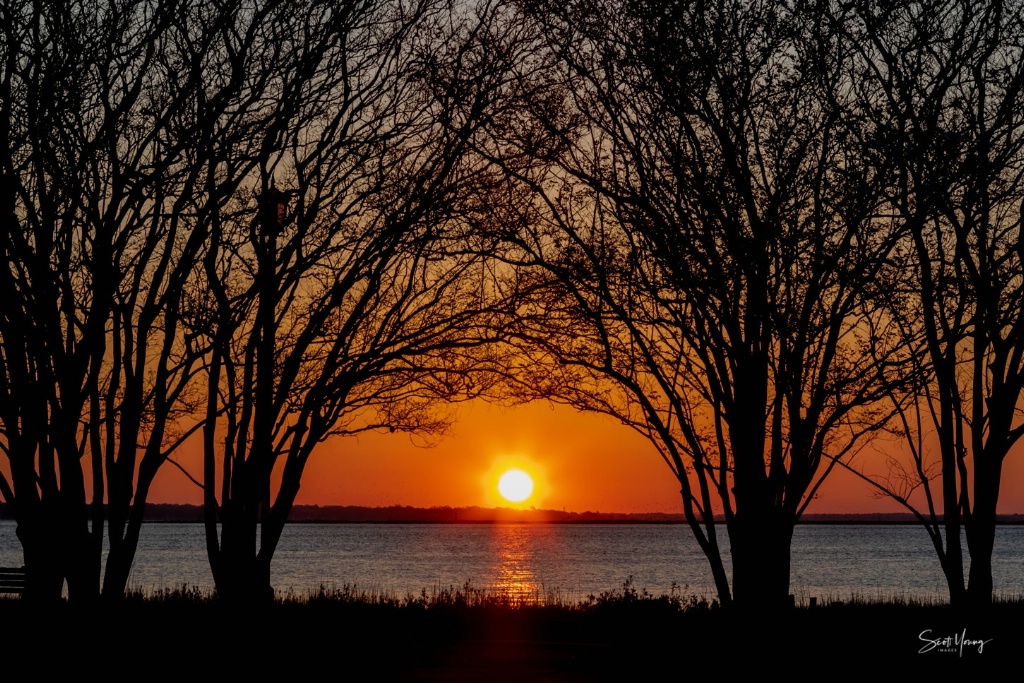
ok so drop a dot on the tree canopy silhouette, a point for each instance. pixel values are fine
(350, 295)
(107, 198)
(754, 232)
(944, 98)
(695, 221)
(147, 297)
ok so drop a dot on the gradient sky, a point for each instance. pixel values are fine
(579, 462)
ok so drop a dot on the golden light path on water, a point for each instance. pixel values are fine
(514, 574)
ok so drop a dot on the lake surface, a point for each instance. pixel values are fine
(568, 561)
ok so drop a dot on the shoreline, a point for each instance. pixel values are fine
(353, 514)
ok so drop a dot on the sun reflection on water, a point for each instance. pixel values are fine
(514, 573)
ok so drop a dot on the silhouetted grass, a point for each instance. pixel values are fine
(468, 596)
(468, 633)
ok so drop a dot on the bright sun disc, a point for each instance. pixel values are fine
(515, 485)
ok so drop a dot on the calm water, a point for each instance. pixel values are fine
(570, 561)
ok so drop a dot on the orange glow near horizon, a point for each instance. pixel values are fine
(578, 462)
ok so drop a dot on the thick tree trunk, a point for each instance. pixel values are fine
(244, 579)
(761, 560)
(117, 570)
(44, 580)
(981, 531)
(57, 545)
(979, 587)
(124, 536)
(242, 576)
(761, 531)
(120, 559)
(82, 559)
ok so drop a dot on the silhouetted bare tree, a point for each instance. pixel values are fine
(942, 84)
(108, 193)
(696, 223)
(344, 292)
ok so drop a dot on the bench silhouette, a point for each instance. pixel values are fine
(12, 580)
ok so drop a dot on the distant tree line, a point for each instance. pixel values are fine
(760, 234)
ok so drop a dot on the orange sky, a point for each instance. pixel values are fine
(580, 462)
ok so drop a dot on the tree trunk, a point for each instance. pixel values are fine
(124, 538)
(980, 527)
(44, 580)
(244, 580)
(118, 569)
(242, 577)
(718, 573)
(953, 563)
(760, 546)
(82, 559)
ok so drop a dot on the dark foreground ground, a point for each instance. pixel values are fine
(622, 641)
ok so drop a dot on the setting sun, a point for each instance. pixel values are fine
(515, 480)
(515, 486)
